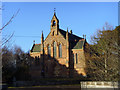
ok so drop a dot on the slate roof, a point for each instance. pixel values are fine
(79, 44)
(36, 48)
(63, 32)
(75, 41)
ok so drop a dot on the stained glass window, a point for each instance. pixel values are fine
(60, 50)
(54, 49)
(49, 51)
(76, 58)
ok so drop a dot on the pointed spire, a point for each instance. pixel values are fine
(83, 35)
(42, 33)
(67, 29)
(42, 38)
(55, 13)
(55, 17)
(67, 34)
(54, 23)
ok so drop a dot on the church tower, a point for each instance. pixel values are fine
(54, 24)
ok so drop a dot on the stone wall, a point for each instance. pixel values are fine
(35, 54)
(59, 39)
(80, 65)
(99, 84)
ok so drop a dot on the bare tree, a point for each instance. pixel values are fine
(15, 64)
(5, 40)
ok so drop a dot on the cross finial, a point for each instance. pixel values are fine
(54, 10)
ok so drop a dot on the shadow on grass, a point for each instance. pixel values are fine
(46, 70)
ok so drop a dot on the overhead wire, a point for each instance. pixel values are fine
(23, 36)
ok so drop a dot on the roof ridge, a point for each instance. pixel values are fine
(70, 33)
(37, 44)
(79, 44)
(36, 48)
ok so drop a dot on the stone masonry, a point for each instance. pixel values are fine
(62, 47)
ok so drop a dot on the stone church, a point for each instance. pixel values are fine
(61, 53)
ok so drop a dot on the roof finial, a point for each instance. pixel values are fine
(42, 38)
(42, 33)
(54, 10)
(85, 36)
(33, 41)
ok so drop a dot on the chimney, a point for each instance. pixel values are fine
(83, 35)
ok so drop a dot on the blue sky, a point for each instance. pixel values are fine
(33, 17)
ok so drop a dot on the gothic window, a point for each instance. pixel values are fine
(53, 33)
(76, 58)
(54, 49)
(49, 51)
(60, 50)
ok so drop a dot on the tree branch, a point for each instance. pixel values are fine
(14, 15)
(7, 40)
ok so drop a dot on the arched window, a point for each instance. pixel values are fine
(54, 49)
(76, 58)
(54, 23)
(49, 51)
(60, 50)
(53, 33)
